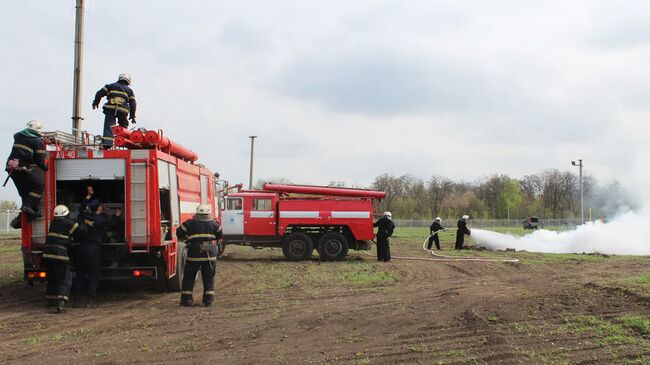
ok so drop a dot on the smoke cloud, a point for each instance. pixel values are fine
(628, 234)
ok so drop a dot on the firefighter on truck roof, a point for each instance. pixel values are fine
(56, 258)
(120, 102)
(201, 233)
(25, 166)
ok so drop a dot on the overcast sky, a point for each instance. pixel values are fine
(346, 91)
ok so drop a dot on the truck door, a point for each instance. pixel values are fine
(232, 219)
(260, 216)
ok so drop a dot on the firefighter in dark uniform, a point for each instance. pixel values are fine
(202, 234)
(25, 166)
(120, 102)
(462, 231)
(87, 271)
(435, 237)
(385, 227)
(56, 259)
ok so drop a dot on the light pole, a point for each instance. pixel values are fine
(250, 180)
(582, 195)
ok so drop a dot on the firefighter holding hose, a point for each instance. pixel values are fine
(385, 227)
(25, 165)
(462, 231)
(434, 228)
(202, 234)
(119, 104)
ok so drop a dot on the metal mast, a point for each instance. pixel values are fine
(250, 178)
(78, 67)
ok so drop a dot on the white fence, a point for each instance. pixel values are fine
(488, 223)
(6, 215)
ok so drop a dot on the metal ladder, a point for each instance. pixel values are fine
(139, 242)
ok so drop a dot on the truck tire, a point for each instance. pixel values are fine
(297, 246)
(333, 246)
(175, 282)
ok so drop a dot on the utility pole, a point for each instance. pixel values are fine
(582, 195)
(78, 67)
(250, 179)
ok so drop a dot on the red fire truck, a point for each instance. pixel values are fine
(301, 219)
(154, 181)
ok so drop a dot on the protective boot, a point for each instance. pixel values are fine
(187, 304)
(60, 307)
(90, 303)
(31, 213)
(207, 304)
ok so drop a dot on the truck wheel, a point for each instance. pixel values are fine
(333, 246)
(175, 282)
(297, 246)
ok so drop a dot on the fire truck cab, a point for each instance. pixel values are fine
(301, 219)
(155, 188)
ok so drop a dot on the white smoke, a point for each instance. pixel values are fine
(628, 234)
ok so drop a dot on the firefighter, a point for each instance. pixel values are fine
(56, 259)
(89, 196)
(202, 234)
(385, 227)
(25, 166)
(433, 228)
(87, 271)
(462, 231)
(120, 103)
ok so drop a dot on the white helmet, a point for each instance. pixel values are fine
(125, 77)
(61, 211)
(465, 217)
(35, 125)
(388, 215)
(438, 219)
(204, 209)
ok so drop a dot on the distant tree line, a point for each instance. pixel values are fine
(550, 194)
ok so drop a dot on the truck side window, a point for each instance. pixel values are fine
(262, 204)
(234, 204)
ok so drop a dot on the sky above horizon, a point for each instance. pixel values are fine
(461, 89)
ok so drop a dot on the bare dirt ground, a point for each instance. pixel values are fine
(556, 309)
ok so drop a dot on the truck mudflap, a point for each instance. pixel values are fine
(363, 245)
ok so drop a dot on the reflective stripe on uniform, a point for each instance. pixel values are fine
(186, 292)
(43, 152)
(109, 106)
(131, 97)
(183, 227)
(108, 138)
(57, 235)
(117, 92)
(73, 228)
(55, 257)
(22, 146)
(209, 292)
(62, 297)
(202, 235)
(201, 259)
(35, 195)
(105, 89)
(56, 246)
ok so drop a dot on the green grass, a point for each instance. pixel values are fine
(309, 275)
(37, 340)
(642, 279)
(10, 248)
(638, 324)
(620, 331)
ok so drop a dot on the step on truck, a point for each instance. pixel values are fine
(154, 181)
(300, 219)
